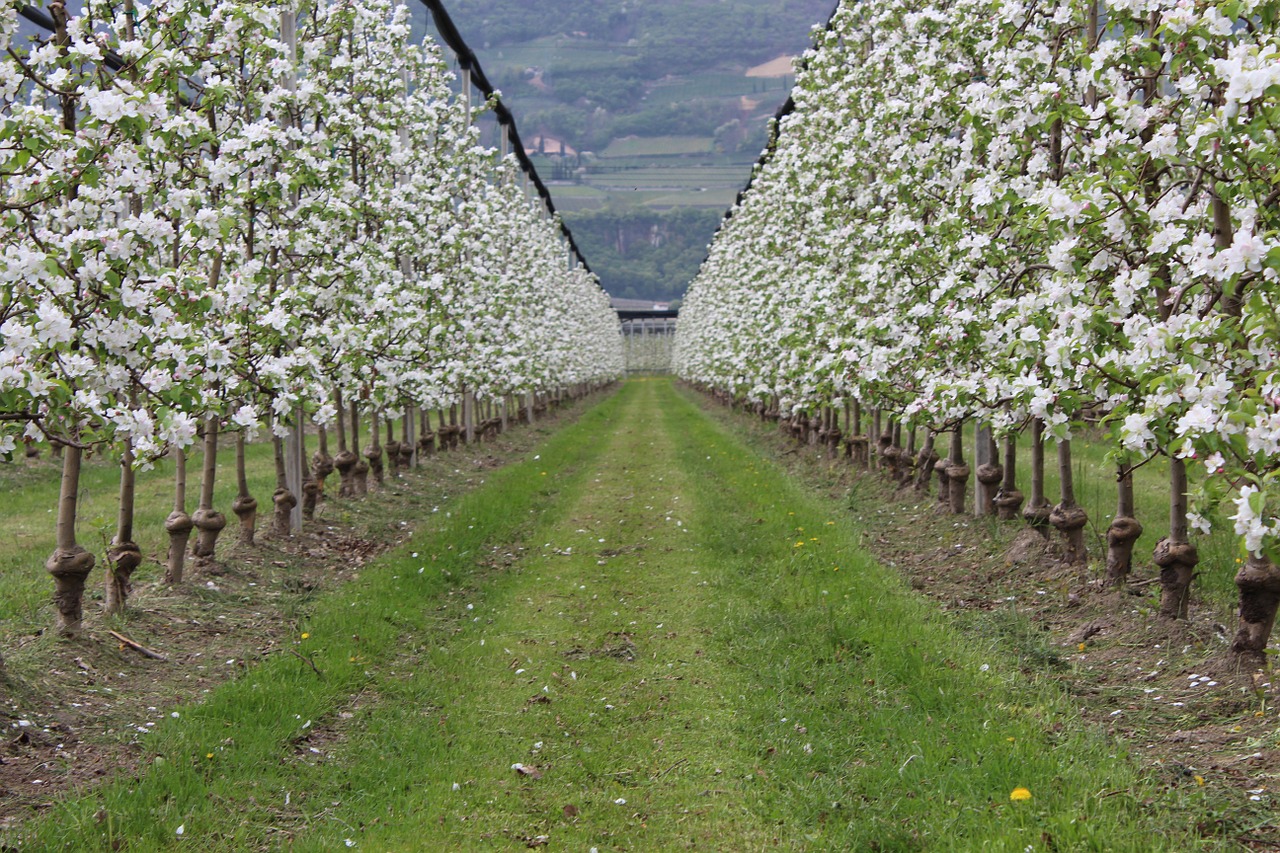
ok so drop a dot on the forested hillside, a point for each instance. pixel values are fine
(648, 253)
(650, 107)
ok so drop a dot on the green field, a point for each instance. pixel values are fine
(649, 146)
(558, 53)
(719, 86)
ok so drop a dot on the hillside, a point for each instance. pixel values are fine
(636, 111)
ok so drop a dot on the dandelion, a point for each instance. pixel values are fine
(1019, 794)
(306, 635)
(1200, 780)
(1080, 647)
(208, 755)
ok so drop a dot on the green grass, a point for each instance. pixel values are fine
(29, 498)
(725, 670)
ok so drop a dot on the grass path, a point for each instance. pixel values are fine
(681, 650)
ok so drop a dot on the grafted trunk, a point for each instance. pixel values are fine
(124, 555)
(874, 437)
(345, 461)
(321, 468)
(245, 506)
(373, 454)
(1037, 510)
(69, 563)
(1259, 584)
(1175, 555)
(209, 522)
(426, 437)
(1008, 500)
(1124, 530)
(859, 450)
(178, 525)
(989, 473)
(393, 449)
(909, 460)
(925, 462)
(1068, 517)
(283, 499)
(359, 471)
(957, 472)
(406, 455)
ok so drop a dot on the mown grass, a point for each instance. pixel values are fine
(726, 670)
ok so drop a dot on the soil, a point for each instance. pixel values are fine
(76, 712)
(1161, 688)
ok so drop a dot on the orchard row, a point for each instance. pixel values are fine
(1027, 216)
(229, 216)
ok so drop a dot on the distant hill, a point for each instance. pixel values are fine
(638, 109)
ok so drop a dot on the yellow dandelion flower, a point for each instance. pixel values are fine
(305, 635)
(208, 755)
(799, 544)
(1199, 780)
(1020, 794)
(1080, 647)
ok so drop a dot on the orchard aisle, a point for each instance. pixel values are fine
(694, 654)
(645, 637)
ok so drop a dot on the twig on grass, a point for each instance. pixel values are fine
(138, 647)
(669, 769)
(307, 661)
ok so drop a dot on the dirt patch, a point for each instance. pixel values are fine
(1159, 686)
(619, 646)
(74, 713)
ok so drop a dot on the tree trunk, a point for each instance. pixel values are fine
(393, 449)
(69, 564)
(1037, 511)
(373, 455)
(345, 461)
(407, 455)
(1068, 517)
(1124, 530)
(245, 506)
(1175, 555)
(283, 499)
(924, 464)
(124, 555)
(990, 473)
(873, 439)
(360, 470)
(1259, 584)
(957, 472)
(208, 522)
(321, 468)
(178, 525)
(1009, 500)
